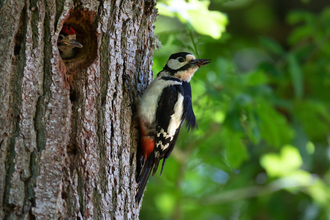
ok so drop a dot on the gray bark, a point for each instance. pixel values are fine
(68, 137)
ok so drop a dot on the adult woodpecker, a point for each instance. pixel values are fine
(67, 42)
(162, 109)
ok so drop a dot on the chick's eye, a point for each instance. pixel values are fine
(181, 59)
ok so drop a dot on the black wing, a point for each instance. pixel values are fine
(188, 114)
(163, 143)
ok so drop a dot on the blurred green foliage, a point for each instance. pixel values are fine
(204, 21)
(262, 147)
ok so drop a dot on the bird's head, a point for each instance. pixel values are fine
(183, 65)
(67, 42)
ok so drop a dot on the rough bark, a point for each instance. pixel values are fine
(67, 135)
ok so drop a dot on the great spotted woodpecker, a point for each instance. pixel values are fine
(67, 42)
(162, 109)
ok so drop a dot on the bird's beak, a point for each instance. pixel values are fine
(200, 62)
(74, 43)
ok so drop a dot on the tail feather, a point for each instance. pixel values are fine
(156, 163)
(164, 160)
(144, 176)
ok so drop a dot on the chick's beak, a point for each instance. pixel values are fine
(200, 62)
(74, 43)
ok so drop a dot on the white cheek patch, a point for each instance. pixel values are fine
(175, 64)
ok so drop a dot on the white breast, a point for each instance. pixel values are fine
(149, 101)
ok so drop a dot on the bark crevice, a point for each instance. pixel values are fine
(18, 62)
(68, 139)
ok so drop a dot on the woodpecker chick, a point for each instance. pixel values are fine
(162, 109)
(67, 42)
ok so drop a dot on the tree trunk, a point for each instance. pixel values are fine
(68, 137)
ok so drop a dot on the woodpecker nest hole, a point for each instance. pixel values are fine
(80, 31)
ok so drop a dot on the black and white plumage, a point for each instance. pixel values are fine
(162, 109)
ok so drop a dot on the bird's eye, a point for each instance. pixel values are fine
(61, 37)
(181, 60)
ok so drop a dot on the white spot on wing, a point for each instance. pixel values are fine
(163, 147)
(165, 134)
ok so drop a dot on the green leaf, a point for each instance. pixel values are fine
(272, 45)
(236, 152)
(256, 78)
(284, 164)
(298, 16)
(310, 147)
(296, 75)
(300, 34)
(314, 118)
(252, 127)
(165, 203)
(211, 23)
(207, 22)
(235, 149)
(269, 68)
(273, 126)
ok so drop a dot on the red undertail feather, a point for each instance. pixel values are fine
(148, 144)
